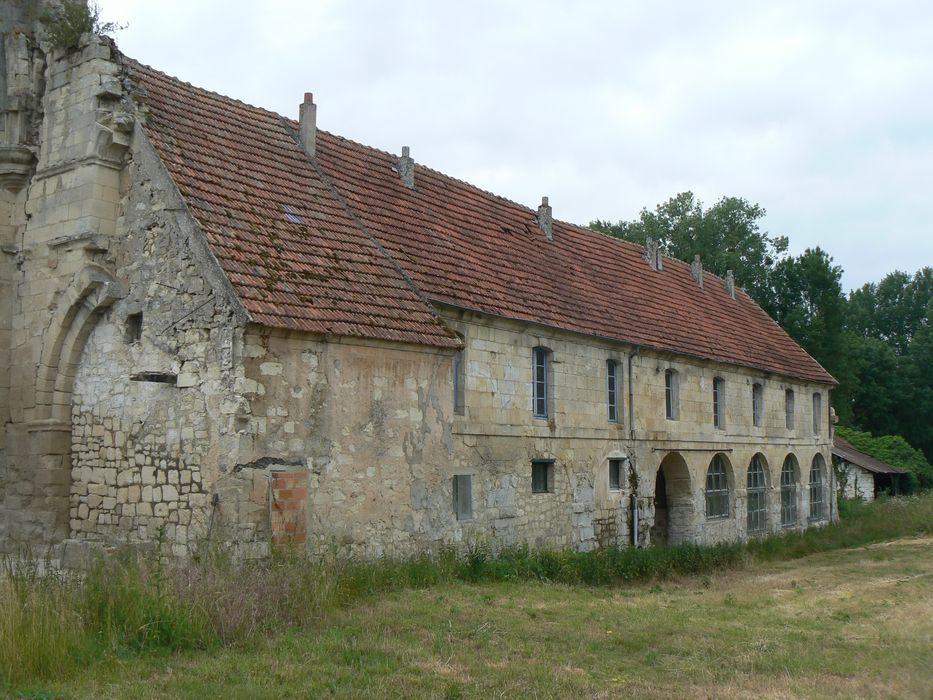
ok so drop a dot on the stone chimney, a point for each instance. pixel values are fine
(406, 168)
(545, 219)
(730, 283)
(653, 254)
(307, 124)
(696, 270)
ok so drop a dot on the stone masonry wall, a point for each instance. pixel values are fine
(151, 436)
(124, 340)
(497, 438)
(370, 423)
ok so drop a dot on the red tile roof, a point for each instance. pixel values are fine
(847, 451)
(238, 165)
(468, 248)
(295, 255)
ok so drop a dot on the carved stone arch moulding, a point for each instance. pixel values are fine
(93, 291)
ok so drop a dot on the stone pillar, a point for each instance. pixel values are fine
(64, 134)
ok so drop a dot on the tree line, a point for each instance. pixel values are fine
(876, 340)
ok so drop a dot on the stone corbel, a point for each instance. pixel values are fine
(110, 88)
(114, 136)
(16, 166)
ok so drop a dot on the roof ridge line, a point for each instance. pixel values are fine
(135, 64)
(476, 188)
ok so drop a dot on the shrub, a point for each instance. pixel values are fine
(74, 18)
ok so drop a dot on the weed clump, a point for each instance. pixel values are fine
(74, 18)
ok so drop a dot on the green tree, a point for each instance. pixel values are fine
(892, 310)
(917, 375)
(807, 301)
(878, 391)
(726, 236)
(891, 343)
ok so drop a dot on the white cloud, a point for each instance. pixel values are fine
(820, 112)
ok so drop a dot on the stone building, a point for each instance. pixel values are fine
(219, 324)
(860, 475)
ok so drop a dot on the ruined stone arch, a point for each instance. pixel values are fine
(673, 501)
(80, 307)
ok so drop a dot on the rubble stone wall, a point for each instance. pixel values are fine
(370, 423)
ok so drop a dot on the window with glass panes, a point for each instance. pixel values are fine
(758, 404)
(717, 489)
(817, 413)
(612, 390)
(670, 394)
(789, 492)
(756, 495)
(615, 474)
(542, 476)
(816, 488)
(540, 382)
(719, 405)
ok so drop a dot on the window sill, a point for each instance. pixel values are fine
(717, 518)
(542, 493)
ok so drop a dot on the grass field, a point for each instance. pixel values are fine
(848, 623)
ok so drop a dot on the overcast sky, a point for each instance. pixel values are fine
(822, 112)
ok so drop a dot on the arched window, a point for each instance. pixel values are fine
(758, 404)
(756, 496)
(717, 489)
(816, 488)
(789, 492)
(789, 409)
(612, 390)
(540, 389)
(671, 390)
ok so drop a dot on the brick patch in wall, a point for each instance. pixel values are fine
(289, 495)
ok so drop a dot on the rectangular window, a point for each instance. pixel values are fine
(463, 496)
(542, 476)
(458, 382)
(758, 400)
(540, 387)
(134, 328)
(789, 409)
(615, 474)
(817, 413)
(612, 385)
(670, 394)
(719, 402)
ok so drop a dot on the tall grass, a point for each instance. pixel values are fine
(129, 603)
